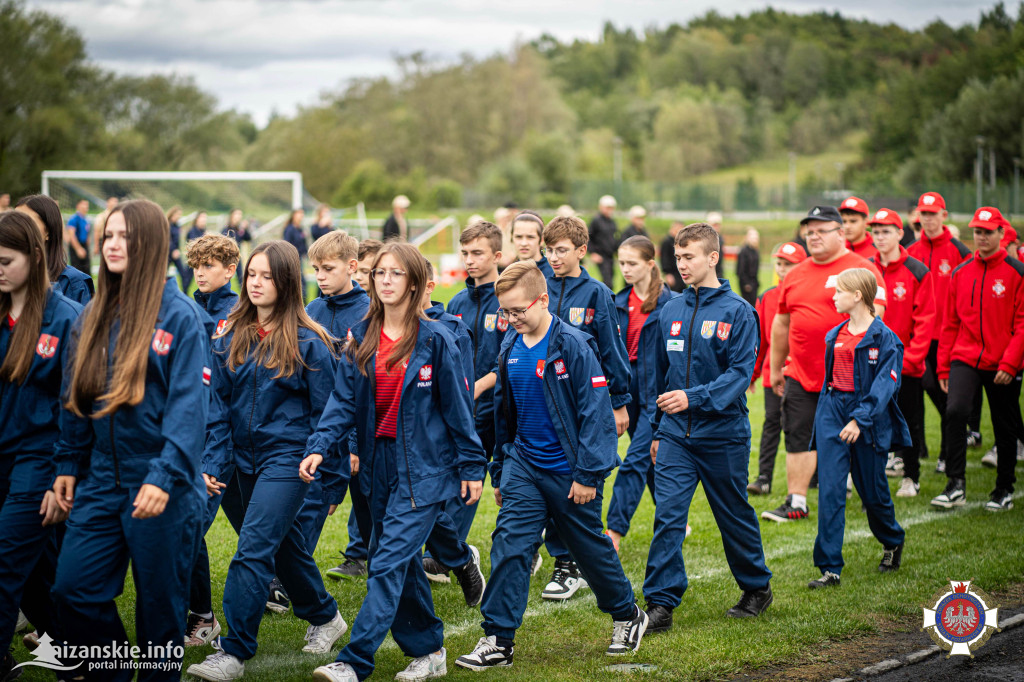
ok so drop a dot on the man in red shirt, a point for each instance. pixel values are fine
(788, 255)
(805, 315)
(855, 227)
(982, 344)
(910, 314)
(942, 253)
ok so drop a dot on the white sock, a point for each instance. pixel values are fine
(800, 501)
(205, 616)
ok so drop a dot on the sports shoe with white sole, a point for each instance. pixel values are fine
(566, 580)
(31, 640)
(278, 601)
(827, 579)
(322, 637)
(335, 672)
(940, 466)
(973, 439)
(22, 623)
(785, 512)
(425, 667)
(537, 562)
(436, 572)
(999, 500)
(626, 634)
(908, 488)
(894, 467)
(200, 631)
(348, 569)
(762, 485)
(955, 495)
(487, 654)
(218, 667)
(991, 458)
(471, 578)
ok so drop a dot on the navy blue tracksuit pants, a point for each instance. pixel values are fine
(721, 467)
(636, 470)
(101, 538)
(200, 598)
(397, 591)
(28, 551)
(530, 497)
(359, 523)
(271, 538)
(836, 460)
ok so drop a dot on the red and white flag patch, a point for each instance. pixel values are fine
(892, 373)
(46, 347)
(221, 326)
(206, 375)
(162, 342)
(598, 382)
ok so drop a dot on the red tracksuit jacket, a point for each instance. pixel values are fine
(941, 255)
(910, 308)
(984, 325)
(766, 308)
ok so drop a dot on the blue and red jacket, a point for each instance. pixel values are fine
(984, 325)
(587, 304)
(647, 349)
(30, 411)
(477, 307)
(339, 313)
(910, 308)
(877, 362)
(160, 440)
(217, 304)
(577, 398)
(459, 330)
(706, 346)
(76, 285)
(941, 255)
(436, 441)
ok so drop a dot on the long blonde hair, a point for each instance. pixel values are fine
(863, 280)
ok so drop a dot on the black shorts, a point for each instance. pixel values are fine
(798, 408)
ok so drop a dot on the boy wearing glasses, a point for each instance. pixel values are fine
(555, 443)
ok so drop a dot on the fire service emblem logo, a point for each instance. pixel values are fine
(961, 619)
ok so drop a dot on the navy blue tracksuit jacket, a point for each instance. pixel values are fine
(217, 304)
(76, 285)
(477, 307)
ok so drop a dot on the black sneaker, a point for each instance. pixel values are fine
(940, 466)
(471, 578)
(752, 603)
(973, 439)
(827, 579)
(566, 580)
(1000, 500)
(278, 601)
(487, 654)
(659, 618)
(348, 569)
(785, 512)
(761, 486)
(626, 634)
(7, 671)
(535, 565)
(891, 559)
(955, 495)
(435, 570)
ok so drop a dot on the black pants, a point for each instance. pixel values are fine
(1004, 405)
(911, 402)
(930, 384)
(80, 264)
(607, 270)
(771, 433)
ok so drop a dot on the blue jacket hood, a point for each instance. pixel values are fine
(75, 285)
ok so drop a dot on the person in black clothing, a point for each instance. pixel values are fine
(296, 236)
(395, 227)
(667, 256)
(174, 255)
(636, 227)
(603, 243)
(239, 231)
(747, 263)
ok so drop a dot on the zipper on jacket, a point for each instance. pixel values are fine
(476, 343)
(561, 295)
(689, 355)
(252, 413)
(981, 312)
(113, 453)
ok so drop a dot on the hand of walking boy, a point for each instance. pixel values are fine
(308, 466)
(64, 489)
(50, 510)
(150, 502)
(474, 488)
(673, 402)
(850, 432)
(581, 494)
(213, 486)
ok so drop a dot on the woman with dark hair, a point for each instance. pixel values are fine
(324, 222)
(73, 283)
(402, 386)
(131, 439)
(237, 229)
(35, 324)
(174, 257)
(273, 373)
(294, 235)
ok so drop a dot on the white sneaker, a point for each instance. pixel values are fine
(321, 638)
(894, 467)
(849, 486)
(22, 622)
(335, 672)
(991, 458)
(1020, 451)
(566, 580)
(218, 667)
(425, 667)
(908, 488)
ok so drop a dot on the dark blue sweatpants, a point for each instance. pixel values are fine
(636, 471)
(359, 522)
(397, 591)
(101, 538)
(271, 538)
(530, 496)
(200, 598)
(721, 467)
(836, 460)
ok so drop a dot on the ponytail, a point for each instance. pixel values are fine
(645, 247)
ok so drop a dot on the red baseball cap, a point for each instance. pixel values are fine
(1009, 235)
(855, 204)
(988, 218)
(792, 252)
(885, 216)
(931, 202)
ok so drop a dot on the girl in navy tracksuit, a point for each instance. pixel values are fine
(131, 439)
(856, 424)
(71, 282)
(35, 325)
(638, 305)
(273, 372)
(294, 235)
(403, 387)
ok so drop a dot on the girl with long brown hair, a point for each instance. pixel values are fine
(131, 439)
(273, 373)
(35, 323)
(402, 386)
(71, 282)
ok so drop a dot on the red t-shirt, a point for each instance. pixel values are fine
(262, 333)
(842, 359)
(389, 388)
(806, 296)
(11, 321)
(636, 323)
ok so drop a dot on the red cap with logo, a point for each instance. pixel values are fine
(792, 252)
(1009, 235)
(988, 218)
(931, 202)
(855, 204)
(886, 216)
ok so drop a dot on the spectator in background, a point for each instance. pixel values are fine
(503, 219)
(667, 255)
(198, 228)
(602, 231)
(395, 227)
(296, 236)
(238, 230)
(324, 222)
(77, 237)
(637, 225)
(100, 224)
(5, 201)
(855, 214)
(913, 231)
(565, 211)
(174, 255)
(747, 263)
(801, 236)
(714, 219)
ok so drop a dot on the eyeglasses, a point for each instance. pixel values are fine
(516, 314)
(382, 273)
(561, 253)
(821, 233)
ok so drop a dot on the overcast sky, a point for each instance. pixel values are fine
(263, 55)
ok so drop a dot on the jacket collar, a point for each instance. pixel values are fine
(571, 282)
(896, 264)
(943, 239)
(995, 259)
(709, 294)
(348, 298)
(207, 301)
(478, 291)
(435, 311)
(554, 338)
